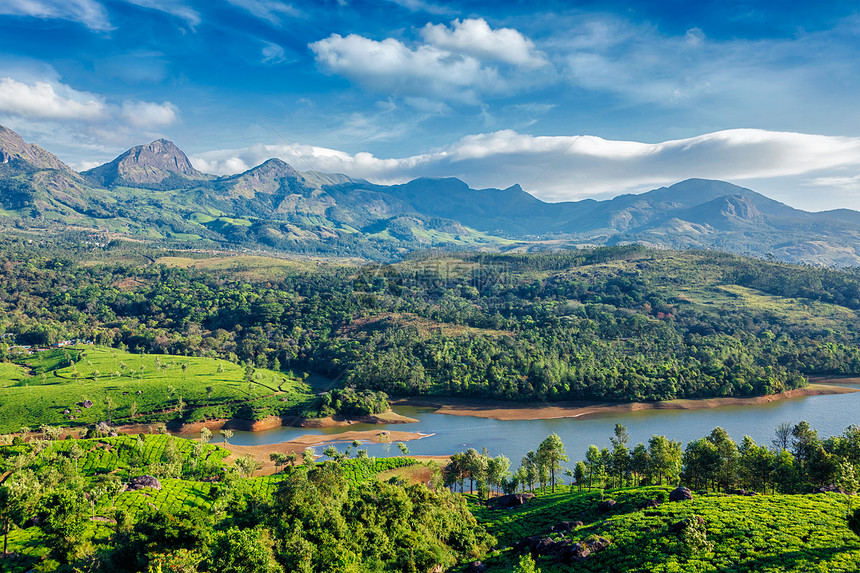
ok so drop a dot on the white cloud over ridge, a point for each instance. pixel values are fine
(576, 167)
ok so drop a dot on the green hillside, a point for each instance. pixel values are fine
(740, 533)
(52, 386)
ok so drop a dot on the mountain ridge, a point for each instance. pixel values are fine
(276, 206)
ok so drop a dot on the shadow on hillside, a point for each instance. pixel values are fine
(792, 560)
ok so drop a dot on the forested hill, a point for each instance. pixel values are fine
(612, 323)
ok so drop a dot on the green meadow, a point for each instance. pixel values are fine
(125, 388)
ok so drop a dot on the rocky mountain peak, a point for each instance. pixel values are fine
(13, 149)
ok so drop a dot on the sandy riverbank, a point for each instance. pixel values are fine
(500, 410)
(300, 444)
(269, 423)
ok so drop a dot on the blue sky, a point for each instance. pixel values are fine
(568, 99)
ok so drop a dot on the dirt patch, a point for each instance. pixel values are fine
(299, 445)
(500, 410)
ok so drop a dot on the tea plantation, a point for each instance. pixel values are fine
(85, 384)
(761, 533)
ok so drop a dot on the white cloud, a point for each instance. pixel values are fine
(149, 114)
(272, 53)
(457, 64)
(43, 100)
(474, 37)
(576, 167)
(47, 109)
(87, 12)
(422, 6)
(172, 7)
(392, 67)
(269, 10)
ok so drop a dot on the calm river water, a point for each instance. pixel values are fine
(830, 415)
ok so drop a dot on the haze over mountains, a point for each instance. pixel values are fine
(152, 191)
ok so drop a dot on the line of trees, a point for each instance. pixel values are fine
(796, 461)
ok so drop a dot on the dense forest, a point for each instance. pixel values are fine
(613, 323)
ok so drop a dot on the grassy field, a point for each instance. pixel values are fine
(741, 533)
(134, 388)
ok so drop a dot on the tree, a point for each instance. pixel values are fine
(475, 466)
(308, 457)
(291, 458)
(76, 452)
(205, 435)
(551, 453)
(497, 470)
(594, 463)
(403, 449)
(665, 458)
(246, 465)
(244, 551)
(782, 439)
(18, 495)
(65, 523)
(227, 434)
(727, 472)
(579, 472)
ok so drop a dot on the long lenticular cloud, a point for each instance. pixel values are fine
(572, 167)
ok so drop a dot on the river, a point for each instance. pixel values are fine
(830, 415)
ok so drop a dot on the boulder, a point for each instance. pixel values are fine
(680, 494)
(144, 481)
(606, 505)
(649, 504)
(512, 500)
(476, 567)
(87, 404)
(564, 526)
(830, 489)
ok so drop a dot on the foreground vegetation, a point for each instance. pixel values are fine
(739, 533)
(64, 507)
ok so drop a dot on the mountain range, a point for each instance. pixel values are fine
(153, 192)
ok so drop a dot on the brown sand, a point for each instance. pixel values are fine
(269, 423)
(500, 410)
(299, 445)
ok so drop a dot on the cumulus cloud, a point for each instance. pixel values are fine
(575, 167)
(391, 66)
(35, 105)
(474, 37)
(43, 100)
(149, 114)
(453, 64)
(87, 12)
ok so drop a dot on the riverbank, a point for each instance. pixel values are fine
(298, 445)
(506, 411)
(269, 423)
